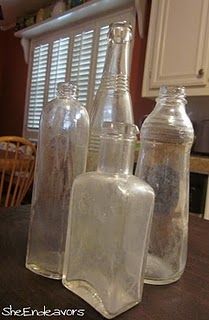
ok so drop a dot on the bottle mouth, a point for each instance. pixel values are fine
(119, 130)
(177, 91)
(172, 93)
(120, 32)
(67, 88)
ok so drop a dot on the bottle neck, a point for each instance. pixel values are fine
(117, 67)
(171, 103)
(116, 156)
(117, 60)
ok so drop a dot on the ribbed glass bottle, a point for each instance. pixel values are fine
(61, 156)
(109, 226)
(166, 140)
(113, 100)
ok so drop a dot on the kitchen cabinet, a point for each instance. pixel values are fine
(178, 47)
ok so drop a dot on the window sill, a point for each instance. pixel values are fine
(72, 16)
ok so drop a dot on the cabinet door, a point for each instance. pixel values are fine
(177, 50)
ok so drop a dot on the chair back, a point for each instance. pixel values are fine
(17, 162)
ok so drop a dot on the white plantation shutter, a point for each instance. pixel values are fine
(58, 66)
(37, 87)
(102, 49)
(77, 54)
(81, 63)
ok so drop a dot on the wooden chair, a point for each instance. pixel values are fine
(17, 162)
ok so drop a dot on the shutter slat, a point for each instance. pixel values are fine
(37, 85)
(58, 65)
(101, 56)
(81, 63)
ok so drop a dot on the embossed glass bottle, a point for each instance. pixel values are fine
(61, 156)
(108, 228)
(113, 100)
(166, 140)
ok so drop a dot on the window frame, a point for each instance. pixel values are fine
(71, 30)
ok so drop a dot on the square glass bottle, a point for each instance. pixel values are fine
(109, 226)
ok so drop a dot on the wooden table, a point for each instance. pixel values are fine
(188, 299)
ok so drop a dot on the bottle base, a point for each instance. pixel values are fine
(84, 290)
(43, 272)
(162, 281)
(160, 272)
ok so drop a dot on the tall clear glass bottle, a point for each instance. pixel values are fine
(113, 100)
(108, 228)
(166, 140)
(61, 156)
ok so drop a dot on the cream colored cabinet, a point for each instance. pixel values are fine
(178, 47)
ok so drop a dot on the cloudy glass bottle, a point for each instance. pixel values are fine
(165, 143)
(61, 156)
(108, 227)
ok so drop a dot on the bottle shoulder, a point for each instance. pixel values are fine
(168, 123)
(70, 105)
(65, 108)
(167, 131)
(121, 183)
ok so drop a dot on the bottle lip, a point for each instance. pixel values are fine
(67, 88)
(172, 92)
(119, 130)
(67, 85)
(120, 32)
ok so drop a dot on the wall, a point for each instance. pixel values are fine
(13, 78)
(198, 109)
(141, 106)
(2, 43)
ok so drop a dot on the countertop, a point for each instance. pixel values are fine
(187, 299)
(199, 164)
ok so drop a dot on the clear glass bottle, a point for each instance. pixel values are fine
(113, 100)
(61, 156)
(166, 140)
(109, 227)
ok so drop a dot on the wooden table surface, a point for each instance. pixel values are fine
(187, 299)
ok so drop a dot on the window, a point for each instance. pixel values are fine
(76, 54)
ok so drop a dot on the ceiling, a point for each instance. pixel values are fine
(11, 9)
